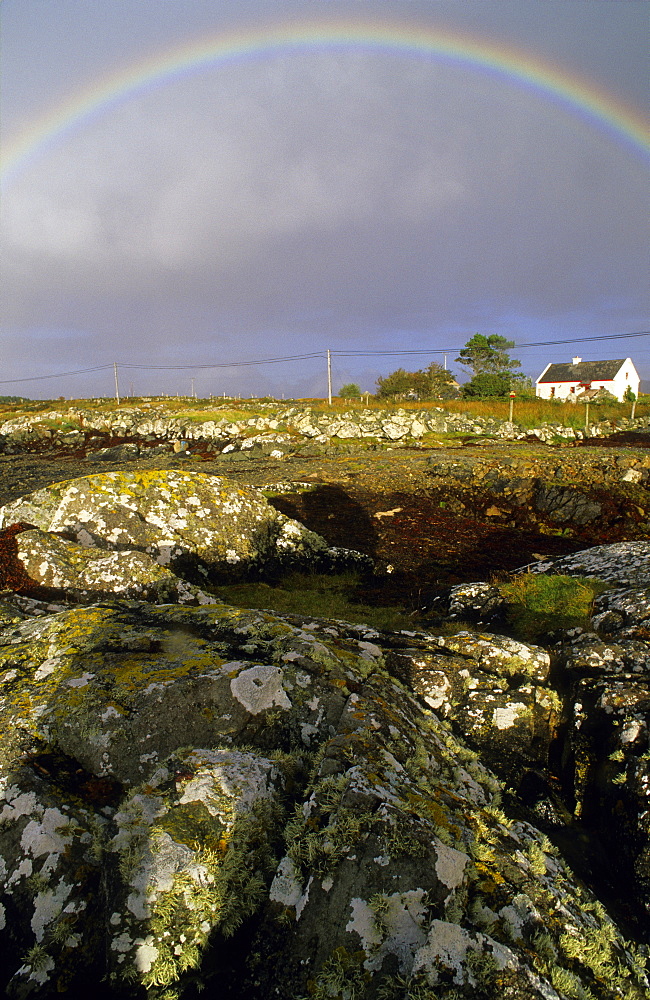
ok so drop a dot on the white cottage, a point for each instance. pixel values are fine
(568, 381)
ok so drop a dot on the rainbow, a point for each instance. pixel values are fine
(573, 94)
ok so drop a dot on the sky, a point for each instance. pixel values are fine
(189, 183)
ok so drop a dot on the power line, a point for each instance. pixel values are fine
(38, 378)
(450, 350)
(316, 354)
(231, 364)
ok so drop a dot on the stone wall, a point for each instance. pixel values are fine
(276, 426)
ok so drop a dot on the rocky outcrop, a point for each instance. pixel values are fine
(209, 796)
(139, 533)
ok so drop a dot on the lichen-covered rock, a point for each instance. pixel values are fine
(626, 564)
(194, 848)
(580, 653)
(623, 612)
(491, 688)
(606, 748)
(198, 526)
(55, 564)
(51, 877)
(195, 773)
(470, 602)
(45, 568)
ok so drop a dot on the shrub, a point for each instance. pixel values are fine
(349, 391)
(486, 385)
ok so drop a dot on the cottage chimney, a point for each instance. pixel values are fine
(576, 361)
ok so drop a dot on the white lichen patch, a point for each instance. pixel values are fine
(260, 688)
(504, 717)
(390, 925)
(18, 803)
(48, 906)
(146, 954)
(450, 865)
(44, 836)
(446, 950)
(287, 889)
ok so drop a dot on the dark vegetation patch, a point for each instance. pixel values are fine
(620, 439)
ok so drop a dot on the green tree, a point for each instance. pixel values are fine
(487, 384)
(433, 382)
(488, 355)
(629, 396)
(442, 384)
(349, 391)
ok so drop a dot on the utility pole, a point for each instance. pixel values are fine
(117, 388)
(193, 393)
(329, 377)
(445, 362)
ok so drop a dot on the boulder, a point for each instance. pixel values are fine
(228, 799)
(603, 741)
(199, 527)
(625, 564)
(55, 565)
(477, 602)
(125, 452)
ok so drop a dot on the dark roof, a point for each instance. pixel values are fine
(585, 371)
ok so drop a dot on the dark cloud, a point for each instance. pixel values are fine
(345, 199)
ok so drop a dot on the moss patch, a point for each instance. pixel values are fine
(539, 602)
(315, 594)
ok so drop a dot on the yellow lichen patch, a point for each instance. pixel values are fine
(491, 876)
